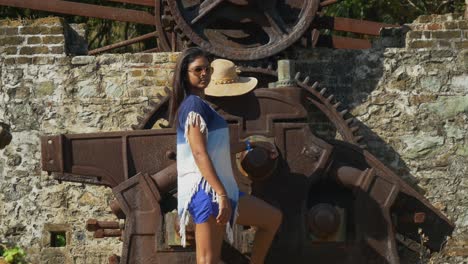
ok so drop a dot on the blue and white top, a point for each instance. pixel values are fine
(195, 111)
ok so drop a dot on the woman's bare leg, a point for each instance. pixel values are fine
(258, 213)
(208, 238)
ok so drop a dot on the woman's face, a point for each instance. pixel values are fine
(199, 73)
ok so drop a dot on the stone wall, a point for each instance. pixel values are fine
(53, 93)
(412, 107)
(411, 103)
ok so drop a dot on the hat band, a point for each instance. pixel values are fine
(225, 81)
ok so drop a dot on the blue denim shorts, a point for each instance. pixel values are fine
(202, 207)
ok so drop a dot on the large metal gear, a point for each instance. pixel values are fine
(325, 103)
(243, 29)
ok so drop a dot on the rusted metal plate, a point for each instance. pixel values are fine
(123, 43)
(107, 158)
(338, 42)
(82, 9)
(350, 25)
(136, 2)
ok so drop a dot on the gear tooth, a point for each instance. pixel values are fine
(337, 105)
(315, 85)
(349, 121)
(270, 67)
(306, 80)
(330, 98)
(363, 146)
(354, 128)
(153, 104)
(323, 91)
(344, 112)
(298, 76)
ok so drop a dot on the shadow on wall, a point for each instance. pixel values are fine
(351, 76)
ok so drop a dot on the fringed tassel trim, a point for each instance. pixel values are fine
(184, 218)
(195, 119)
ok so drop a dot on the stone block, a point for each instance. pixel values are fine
(451, 25)
(83, 60)
(418, 146)
(45, 88)
(62, 60)
(414, 35)
(136, 73)
(463, 24)
(42, 60)
(55, 30)
(459, 83)
(173, 57)
(444, 44)
(23, 60)
(10, 50)
(57, 50)
(32, 50)
(146, 58)
(34, 40)
(461, 44)
(11, 40)
(53, 39)
(464, 59)
(448, 106)
(10, 23)
(8, 31)
(433, 26)
(454, 34)
(421, 44)
(34, 30)
(9, 61)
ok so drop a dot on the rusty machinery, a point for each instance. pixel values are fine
(340, 203)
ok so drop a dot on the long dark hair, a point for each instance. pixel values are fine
(179, 81)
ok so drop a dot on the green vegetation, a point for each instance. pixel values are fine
(394, 11)
(13, 255)
(60, 240)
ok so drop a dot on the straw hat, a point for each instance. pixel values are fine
(226, 82)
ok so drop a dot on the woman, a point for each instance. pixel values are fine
(207, 189)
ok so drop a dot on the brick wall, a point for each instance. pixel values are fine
(439, 32)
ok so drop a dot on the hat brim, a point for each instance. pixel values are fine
(242, 86)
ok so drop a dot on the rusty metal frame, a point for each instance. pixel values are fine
(123, 43)
(82, 9)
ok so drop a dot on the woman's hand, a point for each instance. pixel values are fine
(225, 210)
